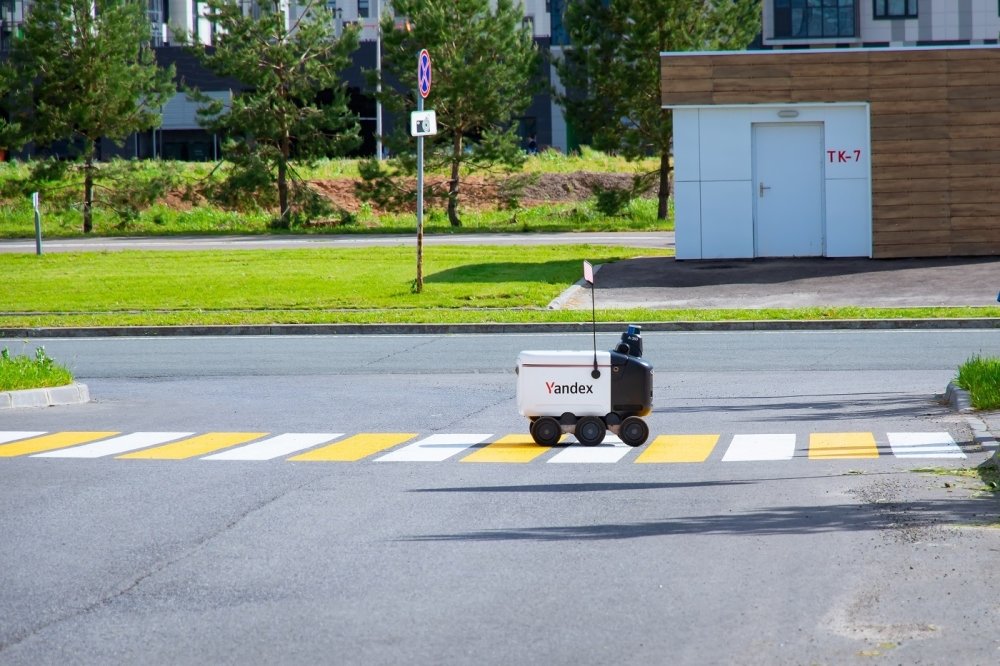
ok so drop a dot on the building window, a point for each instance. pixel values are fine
(559, 34)
(892, 9)
(364, 8)
(814, 19)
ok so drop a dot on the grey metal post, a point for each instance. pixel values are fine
(420, 203)
(378, 81)
(38, 224)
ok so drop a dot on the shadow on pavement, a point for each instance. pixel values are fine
(813, 408)
(904, 517)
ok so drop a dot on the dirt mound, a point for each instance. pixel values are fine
(475, 192)
(479, 192)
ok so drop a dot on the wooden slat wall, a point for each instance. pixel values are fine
(935, 131)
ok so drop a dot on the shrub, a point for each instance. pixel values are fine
(981, 378)
(21, 372)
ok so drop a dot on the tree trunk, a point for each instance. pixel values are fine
(88, 194)
(456, 161)
(284, 219)
(661, 212)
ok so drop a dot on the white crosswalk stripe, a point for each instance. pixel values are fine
(14, 435)
(276, 447)
(436, 448)
(760, 447)
(611, 450)
(116, 445)
(924, 445)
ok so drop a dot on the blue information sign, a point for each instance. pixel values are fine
(424, 73)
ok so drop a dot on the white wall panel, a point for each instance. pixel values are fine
(687, 219)
(726, 219)
(848, 218)
(725, 144)
(687, 159)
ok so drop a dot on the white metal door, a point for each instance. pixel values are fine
(788, 189)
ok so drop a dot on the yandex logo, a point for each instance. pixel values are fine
(573, 389)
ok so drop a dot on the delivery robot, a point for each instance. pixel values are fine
(587, 393)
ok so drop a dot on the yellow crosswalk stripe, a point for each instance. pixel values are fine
(56, 440)
(826, 445)
(679, 449)
(355, 448)
(193, 446)
(508, 449)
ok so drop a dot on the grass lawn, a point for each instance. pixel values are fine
(364, 285)
(315, 285)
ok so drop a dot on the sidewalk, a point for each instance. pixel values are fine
(660, 283)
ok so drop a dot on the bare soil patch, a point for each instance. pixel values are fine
(480, 192)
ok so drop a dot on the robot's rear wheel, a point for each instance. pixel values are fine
(634, 431)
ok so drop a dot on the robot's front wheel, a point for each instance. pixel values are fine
(590, 430)
(634, 431)
(546, 431)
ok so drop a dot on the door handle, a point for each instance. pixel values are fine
(762, 188)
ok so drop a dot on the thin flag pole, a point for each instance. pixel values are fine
(588, 275)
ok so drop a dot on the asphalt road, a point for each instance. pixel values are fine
(787, 561)
(658, 239)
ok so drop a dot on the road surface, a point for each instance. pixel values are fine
(205, 546)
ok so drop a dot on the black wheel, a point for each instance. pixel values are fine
(590, 430)
(634, 431)
(546, 431)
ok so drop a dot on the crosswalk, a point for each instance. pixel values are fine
(408, 447)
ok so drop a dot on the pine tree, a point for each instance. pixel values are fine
(83, 71)
(285, 66)
(484, 63)
(611, 70)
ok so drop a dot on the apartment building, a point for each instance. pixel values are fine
(180, 136)
(879, 23)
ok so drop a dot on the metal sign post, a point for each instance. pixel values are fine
(424, 88)
(38, 223)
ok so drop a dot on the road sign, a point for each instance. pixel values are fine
(424, 73)
(423, 123)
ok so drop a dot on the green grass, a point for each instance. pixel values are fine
(21, 372)
(288, 285)
(17, 221)
(478, 284)
(981, 378)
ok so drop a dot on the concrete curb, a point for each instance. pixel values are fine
(559, 302)
(958, 398)
(71, 394)
(458, 329)
(961, 402)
